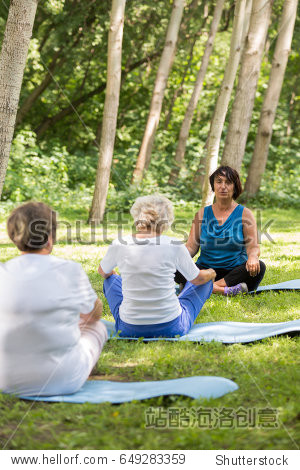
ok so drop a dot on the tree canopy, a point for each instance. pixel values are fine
(55, 147)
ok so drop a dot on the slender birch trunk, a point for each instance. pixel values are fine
(200, 172)
(187, 121)
(12, 64)
(164, 68)
(246, 23)
(242, 108)
(267, 116)
(186, 20)
(290, 118)
(179, 90)
(221, 107)
(110, 113)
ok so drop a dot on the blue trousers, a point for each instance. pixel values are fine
(191, 299)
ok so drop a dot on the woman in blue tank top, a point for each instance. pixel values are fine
(226, 234)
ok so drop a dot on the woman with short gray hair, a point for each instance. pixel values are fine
(143, 300)
(152, 211)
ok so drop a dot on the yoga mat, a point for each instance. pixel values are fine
(99, 391)
(288, 285)
(224, 331)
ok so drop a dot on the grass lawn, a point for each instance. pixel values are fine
(267, 371)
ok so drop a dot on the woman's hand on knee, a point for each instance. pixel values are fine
(252, 265)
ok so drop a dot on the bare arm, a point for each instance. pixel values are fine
(103, 274)
(251, 241)
(193, 241)
(95, 314)
(204, 276)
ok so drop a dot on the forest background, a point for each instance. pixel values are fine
(54, 158)
(55, 149)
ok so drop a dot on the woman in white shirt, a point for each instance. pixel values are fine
(50, 336)
(143, 299)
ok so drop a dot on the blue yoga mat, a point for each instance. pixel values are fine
(99, 391)
(224, 331)
(288, 285)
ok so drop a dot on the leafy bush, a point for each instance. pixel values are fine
(32, 174)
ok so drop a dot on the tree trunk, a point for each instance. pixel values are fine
(110, 113)
(217, 123)
(164, 68)
(242, 108)
(290, 117)
(185, 35)
(12, 63)
(187, 121)
(199, 175)
(267, 116)
(246, 23)
(200, 172)
(179, 90)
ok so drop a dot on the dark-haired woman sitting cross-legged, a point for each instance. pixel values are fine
(226, 234)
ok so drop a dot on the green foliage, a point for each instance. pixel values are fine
(280, 186)
(32, 174)
(53, 157)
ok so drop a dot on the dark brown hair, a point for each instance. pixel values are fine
(30, 225)
(232, 176)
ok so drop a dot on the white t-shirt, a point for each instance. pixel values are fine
(41, 298)
(147, 267)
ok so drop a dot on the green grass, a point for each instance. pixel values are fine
(267, 371)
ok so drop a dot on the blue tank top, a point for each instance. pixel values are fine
(222, 246)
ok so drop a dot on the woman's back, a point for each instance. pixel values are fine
(147, 267)
(41, 298)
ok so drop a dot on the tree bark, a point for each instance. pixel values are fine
(246, 23)
(242, 108)
(14, 51)
(217, 123)
(164, 68)
(179, 90)
(183, 35)
(267, 116)
(110, 114)
(290, 117)
(187, 121)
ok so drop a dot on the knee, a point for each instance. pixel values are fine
(206, 289)
(105, 285)
(107, 282)
(210, 285)
(102, 332)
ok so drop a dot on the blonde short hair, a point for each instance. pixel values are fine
(152, 212)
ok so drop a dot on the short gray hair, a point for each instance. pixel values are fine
(152, 212)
